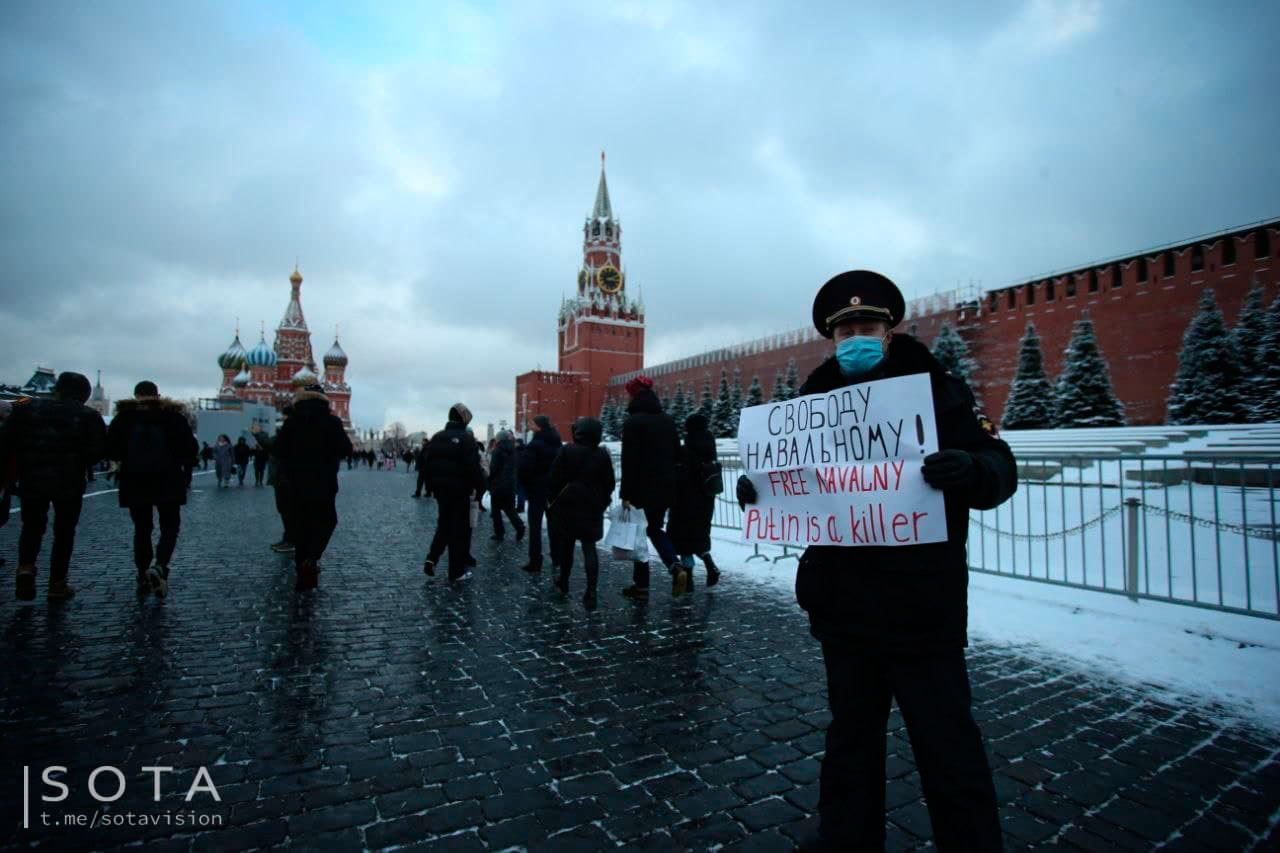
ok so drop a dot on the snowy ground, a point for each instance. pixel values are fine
(1190, 654)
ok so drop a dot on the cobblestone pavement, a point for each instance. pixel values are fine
(388, 709)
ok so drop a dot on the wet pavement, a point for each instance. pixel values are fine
(388, 709)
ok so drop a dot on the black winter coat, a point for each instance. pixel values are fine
(453, 462)
(53, 442)
(242, 451)
(534, 462)
(650, 445)
(152, 440)
(502, 473)
(690, 524)
(309, 446)
(581, 489)
(913, 598)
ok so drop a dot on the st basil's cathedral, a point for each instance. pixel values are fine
(271, 375)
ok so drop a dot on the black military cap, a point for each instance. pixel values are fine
(857, 295)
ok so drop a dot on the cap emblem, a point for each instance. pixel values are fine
(855, 300)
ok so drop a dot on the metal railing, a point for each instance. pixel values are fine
(1168, 528)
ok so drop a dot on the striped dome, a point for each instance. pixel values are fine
(261, 355)
(234, 357)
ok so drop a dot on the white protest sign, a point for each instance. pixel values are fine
(843, 468)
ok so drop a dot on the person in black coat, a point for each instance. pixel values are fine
(420, 465)
(260, 458)
(502, 486)
(53, 442)
(892, 620)
(453, 476)
(690, 527)
(650, 445)
(581, 488)
(152, 440)
(310, 444)
(534, 473)
(242, 453)
(206, 455)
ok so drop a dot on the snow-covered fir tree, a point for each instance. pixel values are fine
(736, 396)
(791, 385)
(723, 415)
(664, 399)
(707, 404)
(755, 394)
(1265, 384)
(1083, 395)
(609, 418)
(1206, 389)
(952, 352)
(679, 408)
(1030, 404)
(1248, 334)
(778, 387)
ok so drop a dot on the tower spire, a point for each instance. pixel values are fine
(603, 209)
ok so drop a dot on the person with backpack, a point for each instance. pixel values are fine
(581, 488)
(242, 453)
(698, 482)
(502, 486)
(52, 442)
(533, 472)
(310, 445)
(152, 441)
(453, 476)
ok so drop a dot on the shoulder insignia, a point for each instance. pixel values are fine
(988, 425)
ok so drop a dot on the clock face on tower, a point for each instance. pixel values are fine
(610, 279)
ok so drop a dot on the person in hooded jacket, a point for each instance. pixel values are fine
(534, 472)
(152, 440)
(224, 460)
(53, 442)
(502, 486)
(650, 445)
(453, 476)
(310, 445)
(690, 526)
(892, 620)
(580, 489)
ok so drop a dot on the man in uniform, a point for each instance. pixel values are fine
(892, 620)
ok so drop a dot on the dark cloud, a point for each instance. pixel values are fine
(430, 166)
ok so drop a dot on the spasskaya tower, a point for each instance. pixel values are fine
(600, 330)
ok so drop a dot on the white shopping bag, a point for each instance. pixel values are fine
(622, 535)
(640, 553)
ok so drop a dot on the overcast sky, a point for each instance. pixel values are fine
(429, 166)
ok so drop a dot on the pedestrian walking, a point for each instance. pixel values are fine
(224, 460)
(311, 443)
(453, 476)
(152, 441)
(502, 486)
(580, 489)
(420, 465)
(892, 620)
(275, 479)
(206, 456)
(8, 474)
(52, 442)
(697, 482)
(533, 473)
(242, 455)
(260, 458)
(521, 498)
(650, 445)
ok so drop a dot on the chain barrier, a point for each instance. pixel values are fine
(1244, 530)
(1059, 534)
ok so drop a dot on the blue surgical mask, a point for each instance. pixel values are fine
(858, 354)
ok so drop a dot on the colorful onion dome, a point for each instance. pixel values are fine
(242, 378)
(335, 356)
(261, 355)
(234, 357)
(304, 377)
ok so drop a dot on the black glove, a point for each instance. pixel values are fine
(949, 469)
(746, 492)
